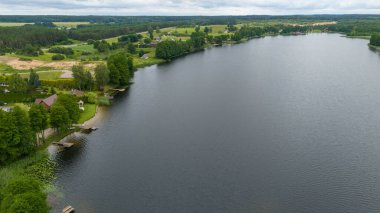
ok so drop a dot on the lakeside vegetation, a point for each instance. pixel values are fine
(101, 54)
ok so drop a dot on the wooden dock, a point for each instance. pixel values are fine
(118, 90)
(63, 144)
(68, 209)
(88, 130)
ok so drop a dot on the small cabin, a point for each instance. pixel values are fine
(47, 102)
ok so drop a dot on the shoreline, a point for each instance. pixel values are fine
(99, 114)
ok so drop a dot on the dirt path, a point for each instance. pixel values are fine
(66, 74)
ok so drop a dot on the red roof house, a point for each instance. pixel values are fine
(47, 102)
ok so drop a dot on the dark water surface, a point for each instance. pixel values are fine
(279, 124)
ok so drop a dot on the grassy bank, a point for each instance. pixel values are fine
(88, 113)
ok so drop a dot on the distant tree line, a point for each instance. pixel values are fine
(200, 20)
(28, 39)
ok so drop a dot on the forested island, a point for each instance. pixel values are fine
(56, 70)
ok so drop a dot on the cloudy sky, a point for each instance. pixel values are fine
(187, 7)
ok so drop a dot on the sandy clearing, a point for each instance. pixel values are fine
(26, 65)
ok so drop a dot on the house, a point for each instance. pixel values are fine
(145, 56)
(77, 93)
(47, 102)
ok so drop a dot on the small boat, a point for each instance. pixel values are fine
(94, 128)
(68, 209)
(89, 130)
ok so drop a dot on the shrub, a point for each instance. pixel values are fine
(103, 101)
(57, 57)
(61, 50)
(91, 98)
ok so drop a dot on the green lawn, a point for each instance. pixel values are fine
(45, 75)
(84, 48)
(88, 113)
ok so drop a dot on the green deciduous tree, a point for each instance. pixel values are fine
(375, 40)
(102, 75)
(198, 40)
(70, 103)
(34, 79)
(118, 65)
(17, 84)
(172, 49)
(83, 79)
(131, 48)
(38, 119)
(16, 136)
(59, 117)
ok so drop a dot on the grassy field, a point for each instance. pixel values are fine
(112, 40)
(12, 24)
(88, 113)
(45, 75)
(84, 48)
(70, 24)
(6, 69)
(45, 57)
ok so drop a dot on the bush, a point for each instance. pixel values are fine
(59, 83)
(86, 53)
(57, 57)
(23, 195)
(61, 50)
(104, 101)
(24, 59)
(14, 98)
(91, 98)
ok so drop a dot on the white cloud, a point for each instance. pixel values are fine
(186, 7)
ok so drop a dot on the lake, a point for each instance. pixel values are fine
(277, 124)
